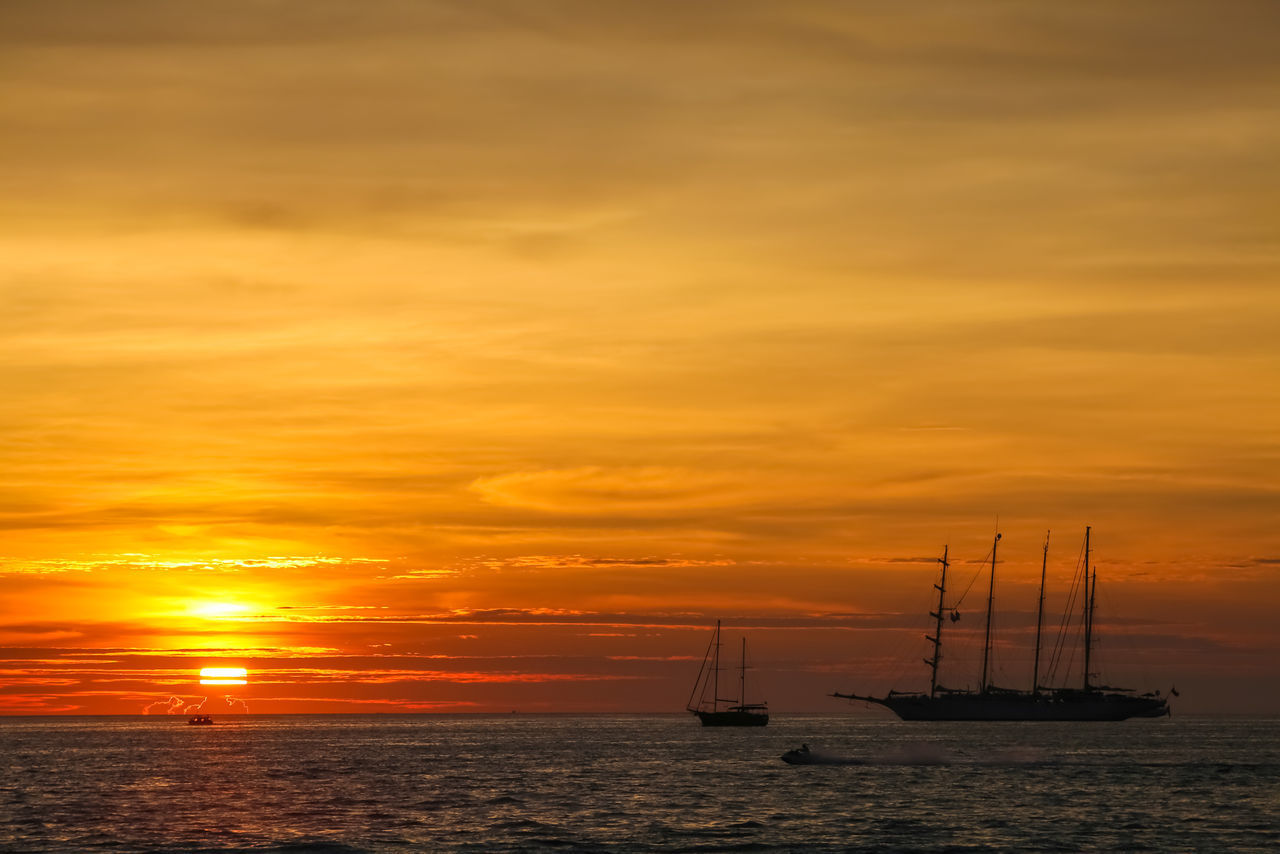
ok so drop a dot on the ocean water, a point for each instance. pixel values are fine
(634, 783)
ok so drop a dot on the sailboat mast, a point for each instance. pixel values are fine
(1088, 611)
(937, 631)
(742, 677)
(1035, 667)
(699, 690)
(991, 595)
(715, 667)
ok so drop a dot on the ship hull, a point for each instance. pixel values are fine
(1025, 707)
(733, 718)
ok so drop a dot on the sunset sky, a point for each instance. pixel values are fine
(479, 356)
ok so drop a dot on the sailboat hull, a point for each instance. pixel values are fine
(1092, 706)
(733, 717)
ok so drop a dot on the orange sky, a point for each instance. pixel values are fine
(478, 356)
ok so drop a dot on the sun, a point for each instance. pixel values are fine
(214, 610)
(224, 676)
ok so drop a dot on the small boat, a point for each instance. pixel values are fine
(708, 710)
(200, 720)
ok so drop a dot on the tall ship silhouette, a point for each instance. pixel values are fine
(1085, 702)
(705, 701)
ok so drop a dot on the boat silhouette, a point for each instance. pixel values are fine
(1088, 702)
(708, 709)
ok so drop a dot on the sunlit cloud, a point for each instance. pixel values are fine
(374, 704)
(304, 676)
(171, 706)
(38, 704)
(107, 563)
(577, 561)
(439, 572)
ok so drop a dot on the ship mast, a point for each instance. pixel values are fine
(1091, 589)
(715, 669)
(937, 632)
(1035, 667)
(991, 593)
(1088, 611)
(742, 678)
(700, 685)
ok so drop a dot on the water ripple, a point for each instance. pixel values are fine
(348, 785)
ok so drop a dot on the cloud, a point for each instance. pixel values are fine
(577, 561)
(39, 704)
(171, 706)
(595, 489)
(402, 704)
(143, 562)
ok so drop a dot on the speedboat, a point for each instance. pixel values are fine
(200, 720)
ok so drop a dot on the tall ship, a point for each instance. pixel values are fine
(705, 701)
(1085, 702)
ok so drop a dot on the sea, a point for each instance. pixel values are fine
(348, 784)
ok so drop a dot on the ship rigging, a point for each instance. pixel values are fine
(991, 703)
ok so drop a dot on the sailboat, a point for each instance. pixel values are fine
(1088, 702)
(738, 712)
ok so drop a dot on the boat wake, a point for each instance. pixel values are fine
(912, 754)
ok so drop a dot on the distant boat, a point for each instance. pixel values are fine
(200, 720)
(738, 712)
(1088, 702)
